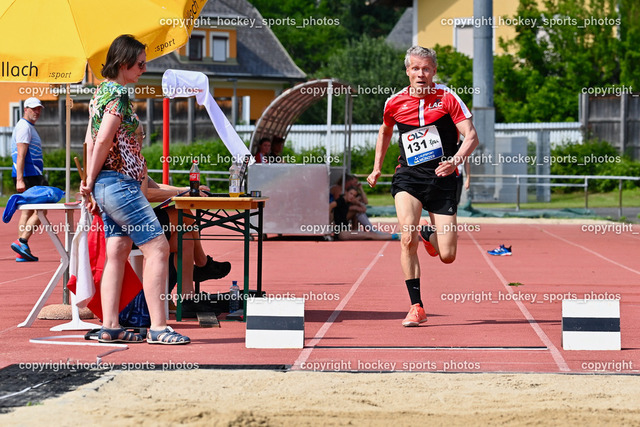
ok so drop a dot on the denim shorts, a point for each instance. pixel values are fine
(125, 210)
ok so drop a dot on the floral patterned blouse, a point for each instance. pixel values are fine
(125, 155)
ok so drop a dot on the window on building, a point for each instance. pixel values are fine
(220, 48)
(196, 47)
(463, 38)
(15, 114)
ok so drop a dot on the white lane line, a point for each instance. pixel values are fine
(555, 353)
(590, 251)
(306, 352)
(24, 278)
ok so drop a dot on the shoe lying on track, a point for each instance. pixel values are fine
(23, 250)
(501, 251)
(415, 316)
(211, 270)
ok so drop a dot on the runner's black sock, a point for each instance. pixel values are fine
(23, 240)
(413, 286)
(426, 231)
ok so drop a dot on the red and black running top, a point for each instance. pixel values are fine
(427, 128)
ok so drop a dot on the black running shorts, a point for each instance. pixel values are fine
(437, 195)
(32, 181)
(459, 185)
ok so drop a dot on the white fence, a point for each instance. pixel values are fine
(5, 141)
(305, 137)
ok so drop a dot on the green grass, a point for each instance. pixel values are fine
(630, 198)
(382, 199)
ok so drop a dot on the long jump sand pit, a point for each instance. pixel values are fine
(297, 398)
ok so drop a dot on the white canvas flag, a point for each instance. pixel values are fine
(183, 84)
(79, 263)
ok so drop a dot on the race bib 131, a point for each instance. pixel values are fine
(422, 145)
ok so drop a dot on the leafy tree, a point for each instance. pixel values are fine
(360, 17)
(455, 70)
(375, 70)
(629, 42)
(306, 29)
(312, 30)
(572, 46)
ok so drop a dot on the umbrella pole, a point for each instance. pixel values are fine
(67, 165)
(67, 191)
(165, 140)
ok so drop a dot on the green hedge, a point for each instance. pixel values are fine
(588, 158)
(593, 158)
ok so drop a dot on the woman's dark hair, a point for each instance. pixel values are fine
(123, 51)
(263, 140)
(347, 177)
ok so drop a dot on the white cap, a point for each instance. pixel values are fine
(32, 103)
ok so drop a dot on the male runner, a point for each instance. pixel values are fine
(430, 118)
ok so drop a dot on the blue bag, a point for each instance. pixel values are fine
(136, 313)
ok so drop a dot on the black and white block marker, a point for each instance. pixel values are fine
(275, 323)
(591, 325)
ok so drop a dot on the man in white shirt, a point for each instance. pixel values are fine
(27, 172)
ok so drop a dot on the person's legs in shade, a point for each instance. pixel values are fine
(204, 267)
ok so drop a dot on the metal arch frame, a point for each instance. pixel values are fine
(279, 116)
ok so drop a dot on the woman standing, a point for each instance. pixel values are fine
(115, 170)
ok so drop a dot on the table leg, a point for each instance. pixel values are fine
(247, 240)
(179, 267)
(259, 279)
(64, 264)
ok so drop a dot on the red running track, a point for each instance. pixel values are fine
(357, 301)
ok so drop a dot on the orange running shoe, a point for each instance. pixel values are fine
(415, 317)
(425, 232)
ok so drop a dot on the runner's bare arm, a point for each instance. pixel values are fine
(469, 144)
(382, 144)
(467, 175)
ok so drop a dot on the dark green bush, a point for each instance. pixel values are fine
(593, 158)
(362, 163)
(588, 158)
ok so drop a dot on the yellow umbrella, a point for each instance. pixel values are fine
(51, 41)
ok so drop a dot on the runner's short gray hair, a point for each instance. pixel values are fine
(422, 52)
